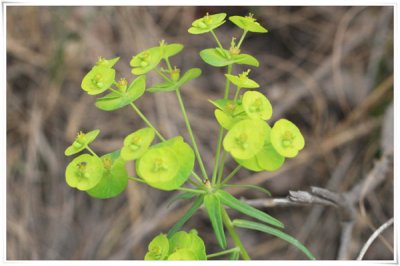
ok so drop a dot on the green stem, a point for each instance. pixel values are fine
(232, 174)
(196, 150)
(221, 131)
(143, 117)
(137, 179)
(216, 39)
(224, 252)
(236, 94)
(191, 190)
(149, 124)
(227, 83)
(168, 64)
(242, 38)
(162, 74)
(91, 151)
(229, 226)
(194, 183)
(221, 167)
(217, 155)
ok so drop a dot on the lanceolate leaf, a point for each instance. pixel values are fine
(232, 202)
(213, 207)
(272, 231)
(192, 210)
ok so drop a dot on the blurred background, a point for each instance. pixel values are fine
(328, 69)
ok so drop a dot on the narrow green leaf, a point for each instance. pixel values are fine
(234, 255)
(275, 232)
(195, 206)
(261, 189)
(213, 207)
(232, 202)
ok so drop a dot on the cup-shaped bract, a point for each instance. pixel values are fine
(158, 248)
(146, 60)
(114, 180)
(248, 23)
(84, 172)
(166, 165)
(286, 138)
(256, 105)
(246, 138)
(187, 241)
(107, 62)
(99, 79)
(168, 50)
(242, 81)
(127, 94)
(207, 23)
(81, 141)
(136, 143)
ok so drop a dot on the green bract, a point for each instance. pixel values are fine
(107, 62)
(166, 165)
(256, 105)
(188, 241)
(136, 143)
(221, 57)
(286, 138)
(246, 138)
(99, 79)
(168, 50)
(81, 141)
(84, 172)
(114, 180)
(173, 85)
(267, 159)
(158, 248)
(126, 95)
(181, 246)
(248, 23)
(242, 81)
(207, 23)
(146, 60)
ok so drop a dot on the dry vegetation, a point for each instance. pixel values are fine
(329, 69)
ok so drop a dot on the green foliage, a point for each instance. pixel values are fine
(146, 60)
(170, 163)
(207, 23)
(171, 85)
(242, 80)
(272, 231)
(213, 207)
(218, 57)
(124, 96)
(99, 79)
(114, 180)
(246, 138)
(256, 105)
(286, 138)
(81, 141)
(240, 206)
(166, 165)
(180, 246)
(158, 248)
(248, 23)
(137, 143)
(84, 172)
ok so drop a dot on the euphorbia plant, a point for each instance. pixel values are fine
(245, 134)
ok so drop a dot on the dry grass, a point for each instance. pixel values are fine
(329, 69)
